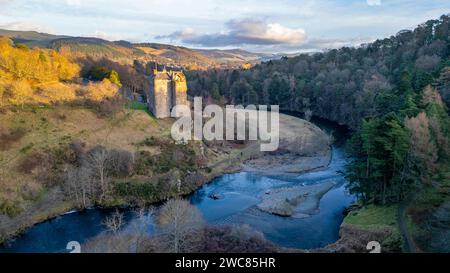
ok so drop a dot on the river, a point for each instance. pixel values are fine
(240, 193)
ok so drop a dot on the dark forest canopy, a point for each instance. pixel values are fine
(392, 92)
(344, 85)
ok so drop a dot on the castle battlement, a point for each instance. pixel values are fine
(167, 89)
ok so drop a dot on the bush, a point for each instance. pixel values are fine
(192, 181)
(148, 141)
(108, 106)
(236, 239)
(155, 190)
(10, 136)
(146, 191)
(10, 208)
(30, 162)
(30, 191)
(55, 93)
(121, 163)
(99, 73)
(181, 157)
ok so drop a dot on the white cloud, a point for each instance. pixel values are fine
(186, 33)
(373, 2)
(242, 32)
(271, 33)
(105, 36)
(73, 2)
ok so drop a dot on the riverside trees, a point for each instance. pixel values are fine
(89, 181)
(398, 154)
(179, 224)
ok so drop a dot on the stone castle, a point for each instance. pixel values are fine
(167, 89)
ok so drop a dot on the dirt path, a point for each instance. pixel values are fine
(409, 245)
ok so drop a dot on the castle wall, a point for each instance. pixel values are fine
(179, 91)
(160, 94)
(167, 89)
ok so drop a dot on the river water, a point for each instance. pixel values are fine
(240, 193)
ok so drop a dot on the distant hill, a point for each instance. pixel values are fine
(239, 56)
(176, 55)
(232, 55)
(126, 52)
(30, 38)
(95, 48)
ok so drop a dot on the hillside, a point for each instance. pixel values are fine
(31, 38)
(48, 155)
(126, 52)
(176, 56)
(394, 95)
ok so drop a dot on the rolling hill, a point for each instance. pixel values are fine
(126, 52)
(30, 38)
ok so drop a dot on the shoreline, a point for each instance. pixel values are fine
(65, 207)
(233, 164)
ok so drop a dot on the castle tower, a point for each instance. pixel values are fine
(160, 94)
(167, 89)
(179, 88)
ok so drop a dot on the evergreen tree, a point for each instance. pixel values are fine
(215, 93)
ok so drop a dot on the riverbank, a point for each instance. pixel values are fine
(303, 148)
(51, 201)
(365, 224)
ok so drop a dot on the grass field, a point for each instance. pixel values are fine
(373, 216)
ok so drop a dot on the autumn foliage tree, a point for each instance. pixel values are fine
(40, 76)
(394, 158)
(424, 152)
(20, 92)
(35, 65)
(24, 71)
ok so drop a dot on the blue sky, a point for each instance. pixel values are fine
(257, 25)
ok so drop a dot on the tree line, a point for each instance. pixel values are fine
(389, 92)
(344, 85)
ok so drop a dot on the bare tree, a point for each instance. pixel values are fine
(179, 225)
(140, 227)
(308, 114)
(307, 108)
(98, 160)
(79, 186)
(120, 163)
(428, 63)
(130, 240)
(114, 222)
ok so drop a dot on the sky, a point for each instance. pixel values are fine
(276, 26)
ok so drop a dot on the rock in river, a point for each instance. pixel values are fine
(298, 201)
(215, 196)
